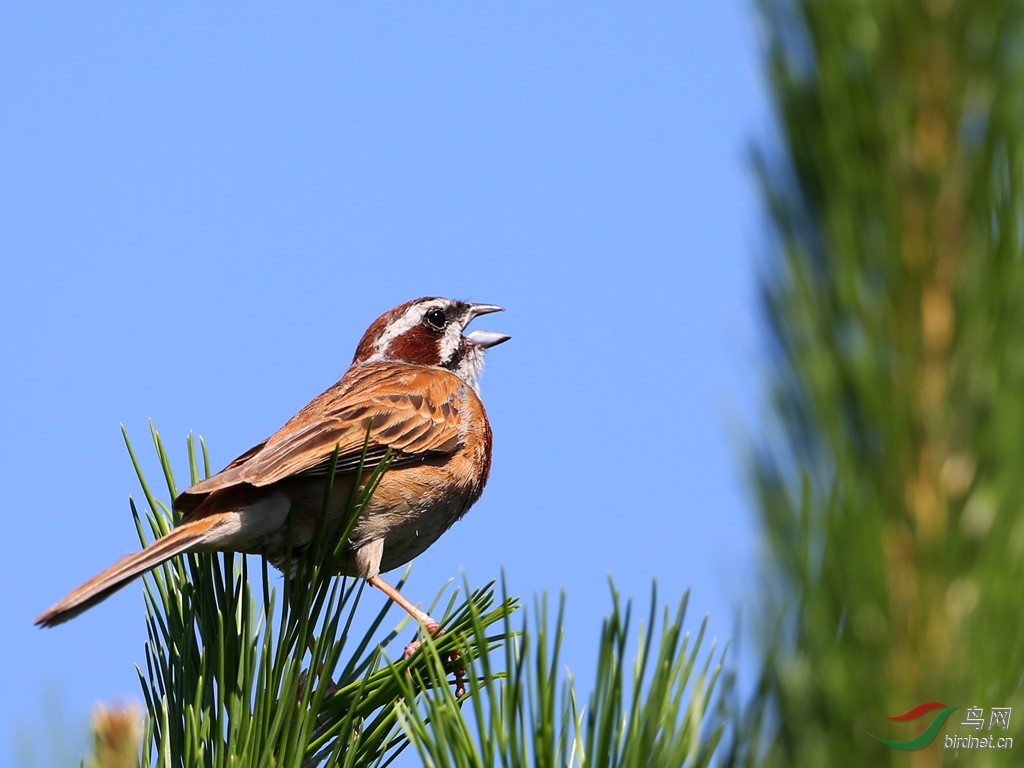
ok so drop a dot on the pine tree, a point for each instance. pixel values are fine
(890, 485)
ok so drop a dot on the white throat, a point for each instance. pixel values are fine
(470, 366)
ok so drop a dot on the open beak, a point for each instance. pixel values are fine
(485, 339)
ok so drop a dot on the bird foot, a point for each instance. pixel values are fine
(435, 630)
(431, 625)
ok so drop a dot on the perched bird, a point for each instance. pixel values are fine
(412, 387)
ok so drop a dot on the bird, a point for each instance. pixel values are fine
(411, 389)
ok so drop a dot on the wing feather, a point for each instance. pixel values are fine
(416, 411)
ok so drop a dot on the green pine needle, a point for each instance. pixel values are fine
(232, 680)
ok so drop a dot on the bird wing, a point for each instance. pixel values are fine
(414, 410)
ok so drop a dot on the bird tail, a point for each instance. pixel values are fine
(185, 537)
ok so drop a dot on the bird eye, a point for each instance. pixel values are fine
(435, 319)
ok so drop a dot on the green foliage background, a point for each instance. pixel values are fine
(889, 485)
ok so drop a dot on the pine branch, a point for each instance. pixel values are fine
(528, 714)
(230, 680)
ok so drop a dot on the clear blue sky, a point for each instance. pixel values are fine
(204, 206)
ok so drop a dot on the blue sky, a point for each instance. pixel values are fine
(204, 207)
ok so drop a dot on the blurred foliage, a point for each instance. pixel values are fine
(62, 739)
(117, 735)
(889, 483)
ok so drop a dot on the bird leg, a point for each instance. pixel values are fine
(431, 624)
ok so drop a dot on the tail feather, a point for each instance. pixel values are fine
(181, 539)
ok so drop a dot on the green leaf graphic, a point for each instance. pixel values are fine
(922, 740)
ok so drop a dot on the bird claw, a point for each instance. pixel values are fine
(453, 657)
(460, 675)
(411, 648)
(433, 629)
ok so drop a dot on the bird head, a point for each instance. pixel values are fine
(431, 331)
